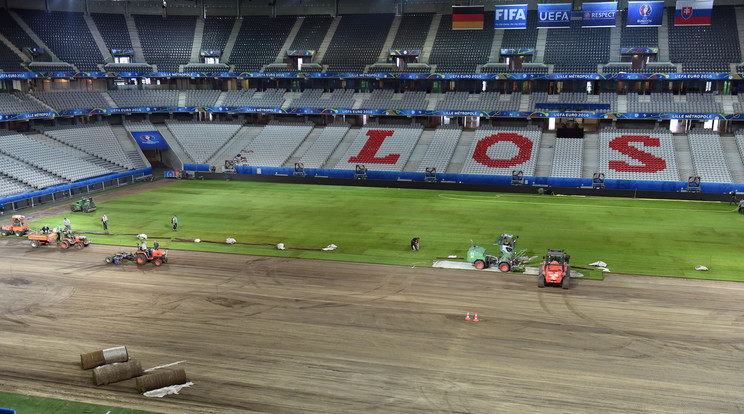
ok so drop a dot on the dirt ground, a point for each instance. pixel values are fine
(281, 335)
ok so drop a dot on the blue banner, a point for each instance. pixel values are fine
(553, 15)
(210, 52)
(512, 16)
(639, 50)
(300, 52)
(405, 52)
(122, 52)
(645, 13)
(150, 140)
(517, 51)
(599, 14)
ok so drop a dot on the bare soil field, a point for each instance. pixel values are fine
(280, 335)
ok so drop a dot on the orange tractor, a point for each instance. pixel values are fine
(555, 270)
(69, 240)
(156, 256)
(18, 226)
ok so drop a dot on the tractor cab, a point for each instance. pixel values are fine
(156, 256)
(506, 243)
(18, 226)
(555, 269)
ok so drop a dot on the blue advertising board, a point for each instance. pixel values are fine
(645, 13)
(599, 14)
(150, 140)
(551, 16)
(513, 16)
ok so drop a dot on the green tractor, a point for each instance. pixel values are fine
(86, 205)
(507, 260)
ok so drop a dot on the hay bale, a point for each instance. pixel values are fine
(116, 372)
(106, 356)
(160, 379)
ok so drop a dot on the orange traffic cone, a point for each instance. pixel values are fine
(476, 317)
(467, 317)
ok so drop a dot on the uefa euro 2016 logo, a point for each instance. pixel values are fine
(147, 139)
(645, 10)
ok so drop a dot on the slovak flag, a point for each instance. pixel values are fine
(693, 13)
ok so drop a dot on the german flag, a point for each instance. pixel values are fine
(467, 17)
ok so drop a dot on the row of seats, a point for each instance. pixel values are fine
(381, 147)
(441, 148)
(656, 147)
(501, 150)
(708, 157)
(201, 140)
(26, 174)
(317, 155)
(95, 139)
(276, 142)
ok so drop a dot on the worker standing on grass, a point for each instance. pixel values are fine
(174, 221)
(67, 224)
(104, 220)
(415, 244)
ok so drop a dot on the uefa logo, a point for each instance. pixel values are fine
(645, 10)
(147, 138)
(587, 15)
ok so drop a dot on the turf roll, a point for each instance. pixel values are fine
(108, 374)
(161, 379)
(106, 356)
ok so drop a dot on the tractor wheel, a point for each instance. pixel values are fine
(79, 246)
(34, 243)
(109, 259)
(18, 233)
(541, 281)
(157, 262)
(4, 233)
(141, 259)
(566, 282)
(65, 245)
(504, 266)
(72, 208)
(480, 264)
(85, 209)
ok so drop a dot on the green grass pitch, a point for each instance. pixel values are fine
(375, 225)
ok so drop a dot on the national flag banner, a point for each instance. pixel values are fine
(467, 17)
(513, 16)
(599, 14)
(551, 16)
(693, 13)
(645, 13)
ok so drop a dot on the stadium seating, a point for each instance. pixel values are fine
(217, 32)
(139, 126)
(381, 147)
(357, 42)
(499, 151)
(311, 33)
(18, 103)
(251, 97)
(55, 160)
(692, 102)
(273, 146)
(13, 32)
(412, 31)
(654, 147)
(10, 186)
(708, 157)
(24, 176)
(72, 99)
(484, 101)
(572, 51)
(637, 36)
(201, 140)
(127, 98)
(523, 38)
(113, 29)
(441, 148)
(461, 51)
(67, 34)
(202, 97)
(259, 41)
(567, 157)
(9, 61)
(317, 155)
(97, 140)
(386, 99)
(706, 48)
(166, 42)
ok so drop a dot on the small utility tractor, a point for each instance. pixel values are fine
(18, 226)
(120, 257)
(507, 260)
(156, 256)
(555, 270)
(69, 240)
(86, 205)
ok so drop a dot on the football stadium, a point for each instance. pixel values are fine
(378, 206)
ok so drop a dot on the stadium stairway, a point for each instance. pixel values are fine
(130, 147)
(239, 141)
(430, 37)
(231, 40)
(590, 164)
(327, 40)
(545, 154)
(288, 41)
(733, 158)
(176, 149)
(15, 50)
(33, 35)
(417, 155)
(181, 98)
(740, 25)
(684, 157)
(461, 151)
(139, 54)
(342, 147)
(221, 99)
(196, 45)
(96, 35)
(498, 38)
(303, 147)
(389, 39)
(664, 40)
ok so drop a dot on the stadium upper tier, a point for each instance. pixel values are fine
(73, 41)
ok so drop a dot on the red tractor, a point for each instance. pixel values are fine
(156, 256)
(555, 270)
(69, 240)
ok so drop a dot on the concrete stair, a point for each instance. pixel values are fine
(288, 42)
(430, 37)
(239, 141)
(196, 45)
(139, 54)
(327, 40)
(130, 147)
(389, 39)
(462, 150)
(231, 41)
(105, 52)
